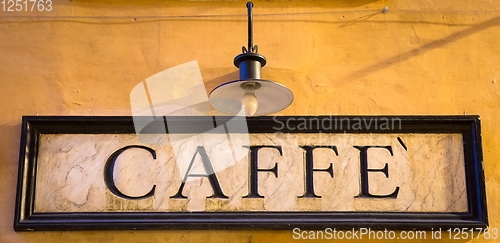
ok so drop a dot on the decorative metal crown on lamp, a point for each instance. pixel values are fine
(253, 95)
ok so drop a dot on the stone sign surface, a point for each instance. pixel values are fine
(88, 173)
(429, 173)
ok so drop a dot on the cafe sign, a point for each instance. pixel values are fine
(398, 172)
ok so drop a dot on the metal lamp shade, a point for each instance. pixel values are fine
(272, 97)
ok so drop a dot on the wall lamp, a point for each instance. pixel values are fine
(253, 95)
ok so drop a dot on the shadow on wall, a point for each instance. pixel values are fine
(9, 159)
(9, 144)
(422, 49)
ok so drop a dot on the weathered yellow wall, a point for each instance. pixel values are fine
(440, 58)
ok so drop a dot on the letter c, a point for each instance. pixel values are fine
(108, 173)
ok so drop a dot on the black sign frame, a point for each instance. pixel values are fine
(32, 126)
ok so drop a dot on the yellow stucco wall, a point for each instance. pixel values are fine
(421, 58)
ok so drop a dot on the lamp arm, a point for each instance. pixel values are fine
(251, 47)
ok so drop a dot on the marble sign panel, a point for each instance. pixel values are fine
(426, 171)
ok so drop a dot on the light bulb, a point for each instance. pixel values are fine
(250, 103)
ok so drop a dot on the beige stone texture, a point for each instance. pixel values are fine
(430, 174)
